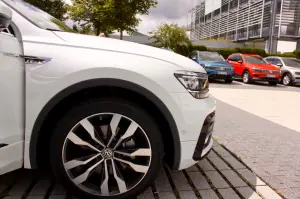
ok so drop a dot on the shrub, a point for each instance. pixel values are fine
(297, 54)
(283, 55)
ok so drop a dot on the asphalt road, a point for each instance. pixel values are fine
(261, 125)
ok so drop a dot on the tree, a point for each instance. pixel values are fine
(86, 29)
(93, 12)
(125, 13)
(170, 36)
(56, 8)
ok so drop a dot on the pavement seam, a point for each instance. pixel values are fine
(209, 182)
(224, 177)
(173, 186)
(196, 192)
(6, 191)
(27, 191)
(154, 191)
(239, 159)
(50, 189)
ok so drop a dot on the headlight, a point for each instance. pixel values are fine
(195, 83)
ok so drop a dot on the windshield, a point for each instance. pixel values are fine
(255, 60)
(37, 16)
(291, 62)
(208, 56)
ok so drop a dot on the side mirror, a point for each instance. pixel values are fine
(5, 17)
(279, 65)
(240, 61)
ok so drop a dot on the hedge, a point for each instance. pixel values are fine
(225, 52)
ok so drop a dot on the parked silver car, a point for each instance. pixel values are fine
(290, 69)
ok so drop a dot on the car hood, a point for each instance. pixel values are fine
(216, 63)
(265, 66)
(292, 68)
(102, 43)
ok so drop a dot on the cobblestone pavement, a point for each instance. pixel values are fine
(218, 176)
(271, 150)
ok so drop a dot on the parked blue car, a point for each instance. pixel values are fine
(214, 64)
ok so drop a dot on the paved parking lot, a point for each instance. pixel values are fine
(219, 176)
(261, 125)
(260, 156)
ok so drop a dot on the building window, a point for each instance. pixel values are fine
(233, 4)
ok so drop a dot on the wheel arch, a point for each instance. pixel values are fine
(61, 103)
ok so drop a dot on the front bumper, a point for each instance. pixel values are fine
(264, 77)
(215, 74)
(195, 128)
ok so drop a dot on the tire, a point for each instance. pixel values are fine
(131, 180)
(273, 83)
(228, 81)
(246, 77)
(287, 79)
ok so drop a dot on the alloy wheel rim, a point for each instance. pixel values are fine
(106, 154)
(286, 80)
(245, 77)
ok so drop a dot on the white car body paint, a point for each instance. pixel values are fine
(76, 58)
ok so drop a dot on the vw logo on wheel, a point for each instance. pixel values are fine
(107, 153)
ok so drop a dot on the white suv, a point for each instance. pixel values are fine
(101, 112)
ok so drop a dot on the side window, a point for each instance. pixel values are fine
(274, 61)
(193, 55)
(238, 58)
(232, 58)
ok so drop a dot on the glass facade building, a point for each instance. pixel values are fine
(244, 20)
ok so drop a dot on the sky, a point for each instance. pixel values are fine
(169, 11)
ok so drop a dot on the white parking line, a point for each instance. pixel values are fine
(281, 107)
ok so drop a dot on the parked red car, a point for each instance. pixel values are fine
(254, 68)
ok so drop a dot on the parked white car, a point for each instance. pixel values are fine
(101, 112)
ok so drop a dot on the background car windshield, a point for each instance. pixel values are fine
(210, 57)
(291, 62)
(37, 16)
(254, 60)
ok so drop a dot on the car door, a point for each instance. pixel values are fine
(12, 85)
(233, 61)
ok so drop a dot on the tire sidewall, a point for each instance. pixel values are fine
(84, 110)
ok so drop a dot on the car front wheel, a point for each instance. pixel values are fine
(287, 80)
(246, 77)
(106, 148)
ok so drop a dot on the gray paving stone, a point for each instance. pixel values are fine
(162, 183)
(228, 193)
(221, 151)
(40, 188)
(212, 154)
(181, 182)
(146, 195)
(251, 177)
(205, 165)
(167, 195)
(234, 162)
(187, 195)
(199, 181)
(192, 169)
(248, 193)
(20, 187)
(234, 179)
(57, 197)
(219, 163)
(216, 179)
(58, 190)
(208, 194)
(291, 193)
(267, 192)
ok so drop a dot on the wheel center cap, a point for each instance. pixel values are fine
(107, 153)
